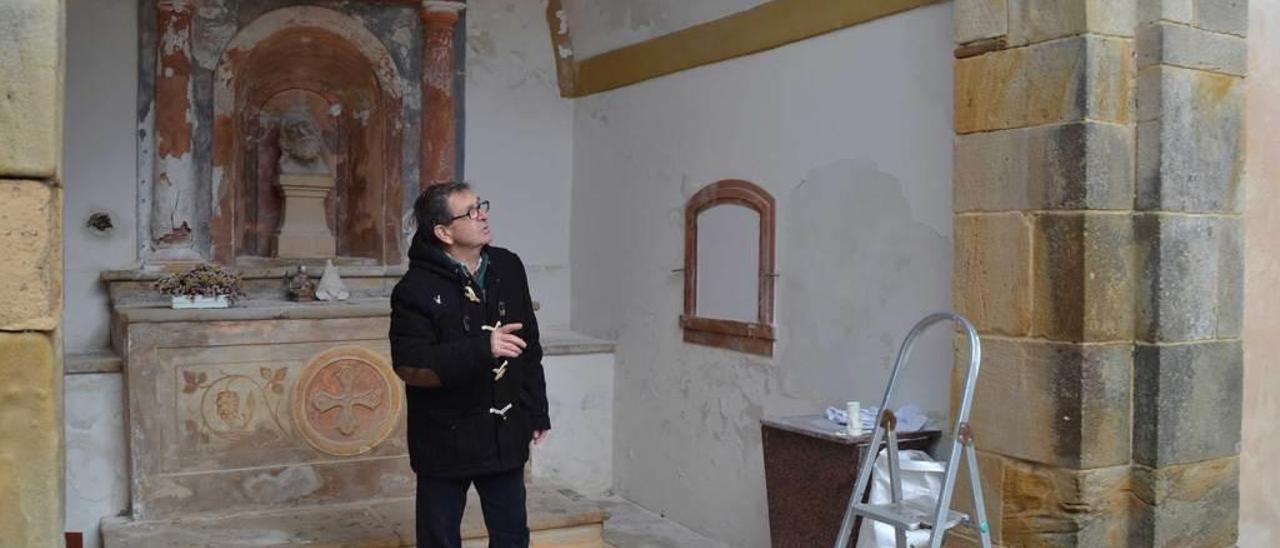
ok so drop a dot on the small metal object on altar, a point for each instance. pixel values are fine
(300, 286)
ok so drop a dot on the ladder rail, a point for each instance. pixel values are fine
(868, 459)
(944, 498)
(979, 504)
(885, 420)
(961, 433)
(895, 478)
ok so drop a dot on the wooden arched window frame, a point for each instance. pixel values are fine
(754, 337)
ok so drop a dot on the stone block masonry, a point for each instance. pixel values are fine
(31, 75)
(31, 237)
(30, 89)
(1099, 251)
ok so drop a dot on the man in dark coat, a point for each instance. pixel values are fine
(465, 341)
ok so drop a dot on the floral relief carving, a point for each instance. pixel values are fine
(234, 405)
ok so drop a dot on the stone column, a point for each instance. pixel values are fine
(31, 429)
(173, 206)
(1188, 364)
(1098, 252)
(438, 135)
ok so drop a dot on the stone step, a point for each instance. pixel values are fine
(101, 361)
(557, 518)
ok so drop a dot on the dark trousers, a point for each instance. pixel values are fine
(502, 498)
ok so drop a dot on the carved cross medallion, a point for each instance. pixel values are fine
(346, 401)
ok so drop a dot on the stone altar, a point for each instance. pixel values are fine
(281, 423)
(270, 129)
(262, 406)
(272, 421)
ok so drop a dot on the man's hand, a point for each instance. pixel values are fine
(539, 435)
(504, 344)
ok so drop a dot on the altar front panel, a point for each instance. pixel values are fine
(235, 415)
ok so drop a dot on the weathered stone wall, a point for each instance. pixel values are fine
(31, 61)
(1099, 251)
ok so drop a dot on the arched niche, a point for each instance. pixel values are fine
(729, 267)
(326, 64)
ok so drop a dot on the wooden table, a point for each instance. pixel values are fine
(810, 470)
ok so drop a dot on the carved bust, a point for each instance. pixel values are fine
(302, 150)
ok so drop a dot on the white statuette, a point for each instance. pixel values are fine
(331, 287)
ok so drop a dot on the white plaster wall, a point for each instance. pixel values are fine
(579, 450)
(598, 26)
(519, 142)
(851, 133)
(99, 159)
(1259, 503)
(100, 176)
(96, 473)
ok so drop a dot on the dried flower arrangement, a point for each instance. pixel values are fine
(202, 281)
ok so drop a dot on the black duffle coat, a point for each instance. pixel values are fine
(476, 422)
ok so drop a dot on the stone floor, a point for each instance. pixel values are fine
(630, 526)
(559, 518)
(555, 520)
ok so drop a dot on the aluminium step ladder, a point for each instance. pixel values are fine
(911, 515)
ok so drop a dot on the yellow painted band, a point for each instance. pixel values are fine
(769, 25)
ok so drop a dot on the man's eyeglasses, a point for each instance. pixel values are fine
(473, 212)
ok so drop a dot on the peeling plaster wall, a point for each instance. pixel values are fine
(851, 133)
(599, 26)
(519, 142)
(1259, 504)
(100, 160)
(215, 24)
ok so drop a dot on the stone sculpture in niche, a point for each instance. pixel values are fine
(305, 181)
(329, 65)
(301, 149)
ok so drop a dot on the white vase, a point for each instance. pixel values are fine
(200, 301)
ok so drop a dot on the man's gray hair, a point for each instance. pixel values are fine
(432, 208)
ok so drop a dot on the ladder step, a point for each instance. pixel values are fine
(909, 514)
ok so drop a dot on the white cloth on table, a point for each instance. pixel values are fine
(910, 417)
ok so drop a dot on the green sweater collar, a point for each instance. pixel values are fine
(480, 272)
